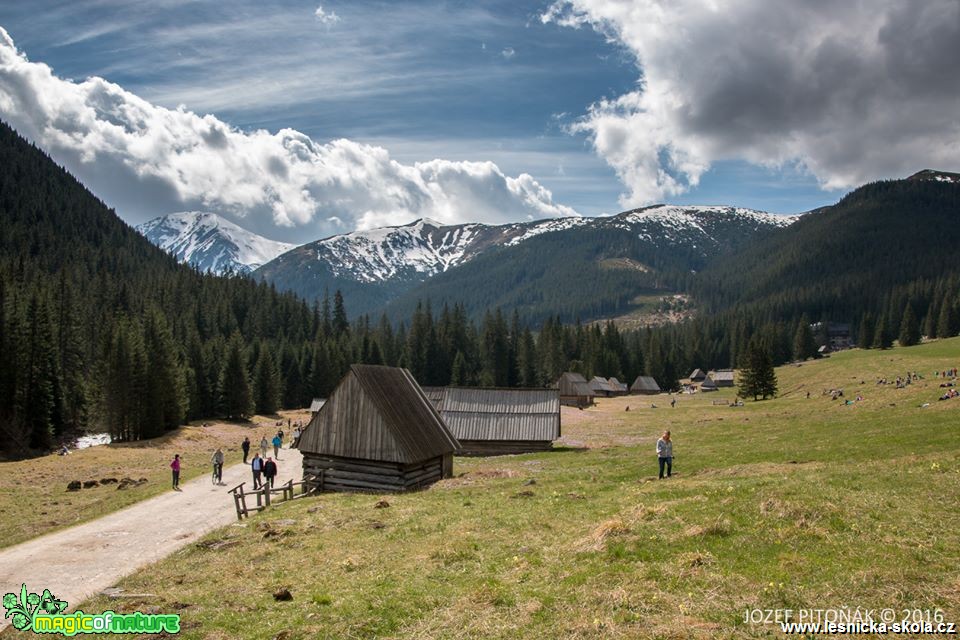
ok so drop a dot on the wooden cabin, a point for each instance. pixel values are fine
(601, 387)
(708, 385)
(377, 432)
(315, 406)
(491, 421)
(645, 386)
(621, 387)
(574, 390)
(722, 377)
(697, 375)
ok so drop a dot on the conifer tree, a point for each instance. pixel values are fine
(340, 323)
(804, 345)
(865, 333)
(266, 383)
(164, 404)
(757, 376)
(237, 398)
(946, 322)
(881, 335)
(909, 328)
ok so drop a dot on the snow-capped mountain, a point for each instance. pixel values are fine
(375, 266)
(210, 242)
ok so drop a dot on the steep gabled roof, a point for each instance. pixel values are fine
(598, 384)
(473, 413)
(645, 383)
(573, 384)
(378, 413)
(316, 404)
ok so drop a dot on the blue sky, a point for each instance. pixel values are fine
(504, 82)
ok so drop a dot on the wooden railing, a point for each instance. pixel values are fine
(265, 494)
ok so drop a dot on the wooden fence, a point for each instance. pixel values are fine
(265, 494)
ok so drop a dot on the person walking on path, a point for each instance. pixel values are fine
(295, 438)
(277, 442)
(256, 465)
(263, 447)
(246, 448)
(270, 471)
(217, 461)
(175, 467)
(665, 454)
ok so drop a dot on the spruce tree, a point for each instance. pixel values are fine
(757, 376)
(804, 345)
(235, 393)
(946, 323)
(865, 333)
(266, 383)
(909, 328)
(165, 402)
(340, 323)
(881, 335)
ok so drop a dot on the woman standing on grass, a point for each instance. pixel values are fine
(665, 454)
(175, 466)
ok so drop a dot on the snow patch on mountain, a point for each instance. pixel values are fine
(211, 243)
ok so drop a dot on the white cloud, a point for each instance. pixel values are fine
(148, 159)
(851, 92)
(508, 52)
(326, 18)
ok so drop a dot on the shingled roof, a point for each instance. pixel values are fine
(378, 413)
(502, 414)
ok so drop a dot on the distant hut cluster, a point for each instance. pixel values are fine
(377, 432)
(710, 381)
(490, 421)
(574, 390)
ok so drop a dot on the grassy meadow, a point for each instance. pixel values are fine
(788, 503)
(34, 499)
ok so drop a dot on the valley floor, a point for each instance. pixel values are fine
(794, 503)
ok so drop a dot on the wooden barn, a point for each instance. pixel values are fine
(377, 432)
(708, 385)
(722, 377)
(601, 387)
(491, 421)
(645, 386)
(574, 390)
(697, 375)
(621, 387)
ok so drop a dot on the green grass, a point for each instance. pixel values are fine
(789, 503)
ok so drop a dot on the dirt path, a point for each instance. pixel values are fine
(77, 563)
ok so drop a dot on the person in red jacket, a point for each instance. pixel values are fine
(175, 466)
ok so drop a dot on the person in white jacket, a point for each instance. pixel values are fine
(665, 454)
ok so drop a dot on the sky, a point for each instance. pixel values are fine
(299, 120)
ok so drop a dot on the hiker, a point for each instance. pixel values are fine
(246, 448)
(295, 442)
(280, 434)
(217, 460)
(270, 471)
(665, 454)
(175, 466)
(263, 447)
(277, 443)
(673, 402)
(64, 450)
(256, 465)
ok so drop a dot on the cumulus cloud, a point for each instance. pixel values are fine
(849, 91)
(325, 17)
(148, 160)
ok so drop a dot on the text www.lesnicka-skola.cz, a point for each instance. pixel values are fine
(853, 621)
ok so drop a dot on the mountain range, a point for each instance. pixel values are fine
(210, 242)
(380, 269)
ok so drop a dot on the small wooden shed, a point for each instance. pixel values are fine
(645, 385)
(574, 390)
(621, 387)
(493, 421)
(315, 406)
(602, 387)
(722, 377)
(697, 375)
(377, 432)
(708, 385)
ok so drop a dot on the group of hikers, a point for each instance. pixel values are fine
(263, 466)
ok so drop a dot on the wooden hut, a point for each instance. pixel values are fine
(722, 377)
(621, 387)
(645, 386)
(315, 406)
(574, 390)
(490, 421)
(697, 375)
(708, 384)
(377, 432)
(602, 387)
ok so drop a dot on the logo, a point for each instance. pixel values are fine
(43, 613)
